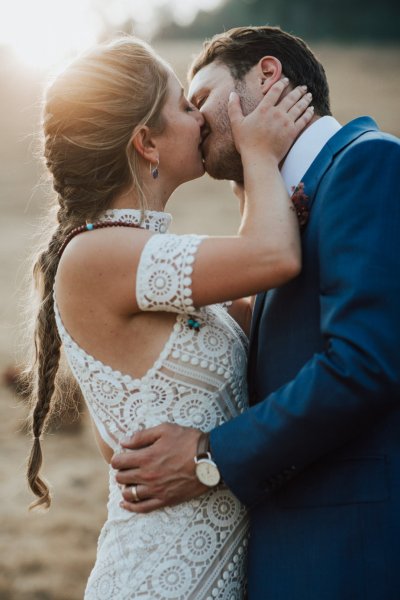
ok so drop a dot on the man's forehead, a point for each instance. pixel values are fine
(208, 78)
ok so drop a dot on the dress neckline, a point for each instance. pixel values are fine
(153, 220)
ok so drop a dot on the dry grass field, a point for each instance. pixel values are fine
(49, 556)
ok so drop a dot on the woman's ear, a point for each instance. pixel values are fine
(144, 144)
(269, 72)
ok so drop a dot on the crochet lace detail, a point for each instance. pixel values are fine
(149, 219)
(163, 280)
(195, 550)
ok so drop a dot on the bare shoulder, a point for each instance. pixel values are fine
(101, 248)
(101, 265)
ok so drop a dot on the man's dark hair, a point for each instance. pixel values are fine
(242, 47)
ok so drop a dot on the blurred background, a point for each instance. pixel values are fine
(49, 556)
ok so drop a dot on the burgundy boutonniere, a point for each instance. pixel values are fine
(301, 204)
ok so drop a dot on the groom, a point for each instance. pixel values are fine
(316, 458)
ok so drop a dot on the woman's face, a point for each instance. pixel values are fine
(180, 142)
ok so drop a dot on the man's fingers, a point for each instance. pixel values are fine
(127, 477)
(123, 461)
(131, 475)
(127, 460)
(142, 507)
(143, 438)
(139, 493)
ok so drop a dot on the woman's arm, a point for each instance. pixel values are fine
(266, 250)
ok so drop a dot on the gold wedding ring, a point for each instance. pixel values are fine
(135, 496)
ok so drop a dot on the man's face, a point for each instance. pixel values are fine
(209, 91)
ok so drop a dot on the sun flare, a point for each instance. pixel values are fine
(43, 33)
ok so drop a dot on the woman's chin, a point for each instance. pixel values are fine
(198, 172)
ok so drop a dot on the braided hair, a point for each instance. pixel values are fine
(90, 115)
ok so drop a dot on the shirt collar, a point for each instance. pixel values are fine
(306, 148)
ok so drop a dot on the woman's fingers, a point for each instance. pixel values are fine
(300, 107)
(294, 103)
(304, 119)
(271, 98)
(274, 124)
(234, 109)
(291, 98)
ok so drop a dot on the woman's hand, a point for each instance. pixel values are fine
(275, 123)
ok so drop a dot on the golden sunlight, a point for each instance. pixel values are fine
(43, 33)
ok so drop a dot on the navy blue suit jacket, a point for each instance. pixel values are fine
(317, 456)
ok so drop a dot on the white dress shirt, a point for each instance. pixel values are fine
(306, 148)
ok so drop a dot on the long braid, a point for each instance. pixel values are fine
(90, 115)
(47, 345)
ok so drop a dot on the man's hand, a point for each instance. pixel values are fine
(160, 464)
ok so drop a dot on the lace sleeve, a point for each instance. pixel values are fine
(163, 279)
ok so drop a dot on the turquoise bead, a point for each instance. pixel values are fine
(193, 324)
(89, 226)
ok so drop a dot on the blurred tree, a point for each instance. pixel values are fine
(343, 20)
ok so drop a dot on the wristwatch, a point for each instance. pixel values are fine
(206, 470)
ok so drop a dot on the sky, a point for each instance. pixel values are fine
(43, 33)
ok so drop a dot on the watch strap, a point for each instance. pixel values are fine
(203, 446)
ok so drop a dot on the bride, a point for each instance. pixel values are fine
(142, 314)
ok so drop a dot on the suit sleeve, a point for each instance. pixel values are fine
(341, 391)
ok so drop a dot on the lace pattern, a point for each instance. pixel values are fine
(163, 280)
(149, 219)
(180, 387)
(197, 550)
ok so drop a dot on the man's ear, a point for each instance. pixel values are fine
(144, 144)
(269, 72)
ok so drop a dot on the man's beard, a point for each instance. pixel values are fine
(223, 161)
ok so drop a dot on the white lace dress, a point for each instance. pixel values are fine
(196, 550)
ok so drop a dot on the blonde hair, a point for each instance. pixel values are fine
(90, 116)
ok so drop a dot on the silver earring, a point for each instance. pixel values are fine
(154, 170)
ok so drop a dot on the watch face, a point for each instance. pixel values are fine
(207, 472)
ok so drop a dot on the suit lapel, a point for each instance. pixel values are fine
(336, 144)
